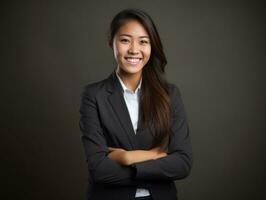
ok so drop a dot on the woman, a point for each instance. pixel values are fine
(133, 123)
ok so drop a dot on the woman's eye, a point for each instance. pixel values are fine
(124, 40)
(144, 42)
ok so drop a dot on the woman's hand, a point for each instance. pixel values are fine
(124, 157)
(158, 153)
(119, 155)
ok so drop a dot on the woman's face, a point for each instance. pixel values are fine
(132, 48)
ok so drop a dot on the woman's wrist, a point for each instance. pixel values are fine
(127, 158)
(118, 155)
(137, 156)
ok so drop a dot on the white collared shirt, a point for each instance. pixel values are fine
(132, 102)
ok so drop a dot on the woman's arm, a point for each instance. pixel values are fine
(124, 157)
(178, 162)
(101, 169)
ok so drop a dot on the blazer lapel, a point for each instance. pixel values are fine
(116, 100)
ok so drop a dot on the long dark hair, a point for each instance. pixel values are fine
(155, 109)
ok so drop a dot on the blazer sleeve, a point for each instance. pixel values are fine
(102, 169)
(177, 164)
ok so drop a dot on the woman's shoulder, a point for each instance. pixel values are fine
(94, 85)
(93, 88)
(173, 89)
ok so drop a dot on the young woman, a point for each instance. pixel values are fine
(134, 128)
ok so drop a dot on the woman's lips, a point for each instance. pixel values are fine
(133, 61)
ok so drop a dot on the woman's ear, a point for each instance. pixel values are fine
(110, 44)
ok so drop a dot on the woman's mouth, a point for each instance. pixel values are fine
(133, 61)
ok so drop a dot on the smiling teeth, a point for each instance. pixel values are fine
(133, 59)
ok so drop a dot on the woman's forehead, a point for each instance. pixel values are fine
(132, 28)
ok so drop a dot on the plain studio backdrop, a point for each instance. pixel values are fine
(51, 49)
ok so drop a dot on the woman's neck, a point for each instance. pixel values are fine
(131, 81)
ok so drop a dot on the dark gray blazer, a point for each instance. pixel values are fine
(105, 122)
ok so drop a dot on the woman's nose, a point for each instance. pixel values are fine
(133, 49)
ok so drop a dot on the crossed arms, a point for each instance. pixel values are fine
(114, 165)
(127, 158)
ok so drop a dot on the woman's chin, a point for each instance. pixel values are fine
(132, 69)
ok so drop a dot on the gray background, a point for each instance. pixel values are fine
(216, 55)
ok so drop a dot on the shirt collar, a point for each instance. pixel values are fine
(125, 88)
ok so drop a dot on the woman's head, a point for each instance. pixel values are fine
(131, 46)
(133, 35)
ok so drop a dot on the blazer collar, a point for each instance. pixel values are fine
(118, 104)
(125, 87)
(113, 84)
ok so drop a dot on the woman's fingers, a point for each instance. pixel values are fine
(158, 152)
(161, 155)
(119, 155)
(155, 149)
(110, 149)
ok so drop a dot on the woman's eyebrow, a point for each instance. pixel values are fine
(144, 36)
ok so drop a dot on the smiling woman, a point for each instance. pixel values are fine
(132, 49)
(134, 127)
